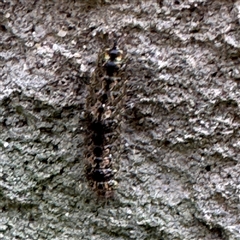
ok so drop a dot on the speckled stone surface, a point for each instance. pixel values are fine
(179, 159)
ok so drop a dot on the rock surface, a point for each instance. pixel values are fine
(179, 163)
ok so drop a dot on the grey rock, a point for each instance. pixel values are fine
(178, 165)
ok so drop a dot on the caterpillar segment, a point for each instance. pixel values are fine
(104, 103)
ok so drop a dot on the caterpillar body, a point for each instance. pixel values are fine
(103, 106)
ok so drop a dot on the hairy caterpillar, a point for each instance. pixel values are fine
(103, 106)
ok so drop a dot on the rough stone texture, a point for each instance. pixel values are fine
(179, 163)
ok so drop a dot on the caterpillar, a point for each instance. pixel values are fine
(103, 112)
